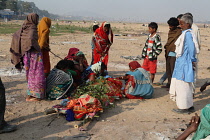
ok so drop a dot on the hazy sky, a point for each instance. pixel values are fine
(139, 10)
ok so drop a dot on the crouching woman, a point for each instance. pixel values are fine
(60, 81)
(138, 84)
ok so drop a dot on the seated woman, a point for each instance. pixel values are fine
(138, 84)
(59, 80)
(94, 71)
(80, 63)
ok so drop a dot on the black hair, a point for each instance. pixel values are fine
(63, 64)
(153, 25)
(173, 22)
(103, 66)
(179, 16)
(107, 25)
(95, 27)
(70, 64)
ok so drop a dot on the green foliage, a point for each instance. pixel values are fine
(96, 89)
(8, 28)
(61, 29)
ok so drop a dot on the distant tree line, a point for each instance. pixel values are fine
(20, 7)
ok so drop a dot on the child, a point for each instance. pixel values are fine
(151, 50)
(95, 26)
(173, 34)
(181, 88)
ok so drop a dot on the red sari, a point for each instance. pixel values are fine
(103, 41)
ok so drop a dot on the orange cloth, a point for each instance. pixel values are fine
(43, 33)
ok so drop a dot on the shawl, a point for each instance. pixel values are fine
(134, 65)
(72, 53)
(204, 127)
(43, 32)
(25, 39)
(96, 68)
(172, 37)
(180, 43)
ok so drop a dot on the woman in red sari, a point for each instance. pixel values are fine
(103, 41)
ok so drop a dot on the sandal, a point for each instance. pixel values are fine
(157, 84)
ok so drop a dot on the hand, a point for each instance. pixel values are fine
(194, 65)
(102, 54)
(194, 123)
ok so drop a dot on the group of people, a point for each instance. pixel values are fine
(181, 53)
(30, 50)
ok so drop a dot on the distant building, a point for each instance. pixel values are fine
(6, 14)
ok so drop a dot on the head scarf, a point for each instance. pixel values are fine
(104, 35)
(134, 65)
(96, 68)
(72, 53)
(204, 127)
(43, 32)
(79, 53)
(25, 39)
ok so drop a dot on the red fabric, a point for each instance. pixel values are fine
(102, 44)
(134, 65)
(98, 57)
(150, 66)
(72, 53)
(131, 84)
(129, 96)
(114, 85)
(46, 61)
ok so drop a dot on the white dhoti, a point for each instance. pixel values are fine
(182, 93)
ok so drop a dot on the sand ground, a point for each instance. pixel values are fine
(129, 120)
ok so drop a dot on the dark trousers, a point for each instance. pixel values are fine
(170, 63)
(2, 105)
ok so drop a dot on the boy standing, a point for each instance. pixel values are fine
(173, 34)
(181, 88)
(151, 50)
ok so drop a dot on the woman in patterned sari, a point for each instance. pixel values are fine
(60, 80)
(26, 52)
(138, 84)
(103, 41)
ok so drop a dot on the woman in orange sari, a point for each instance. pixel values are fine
(43, 33)
(103, 41)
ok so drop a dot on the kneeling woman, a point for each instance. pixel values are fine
(138, 84)
(59, 81)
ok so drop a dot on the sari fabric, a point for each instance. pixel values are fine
(103, 41)
(34, 74)
(139, 84)
(58, 82)
(43, 33)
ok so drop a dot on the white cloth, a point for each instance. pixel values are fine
(180, 43)
(96, 68)
(196, 32)
(182, 93)
(146, 74)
